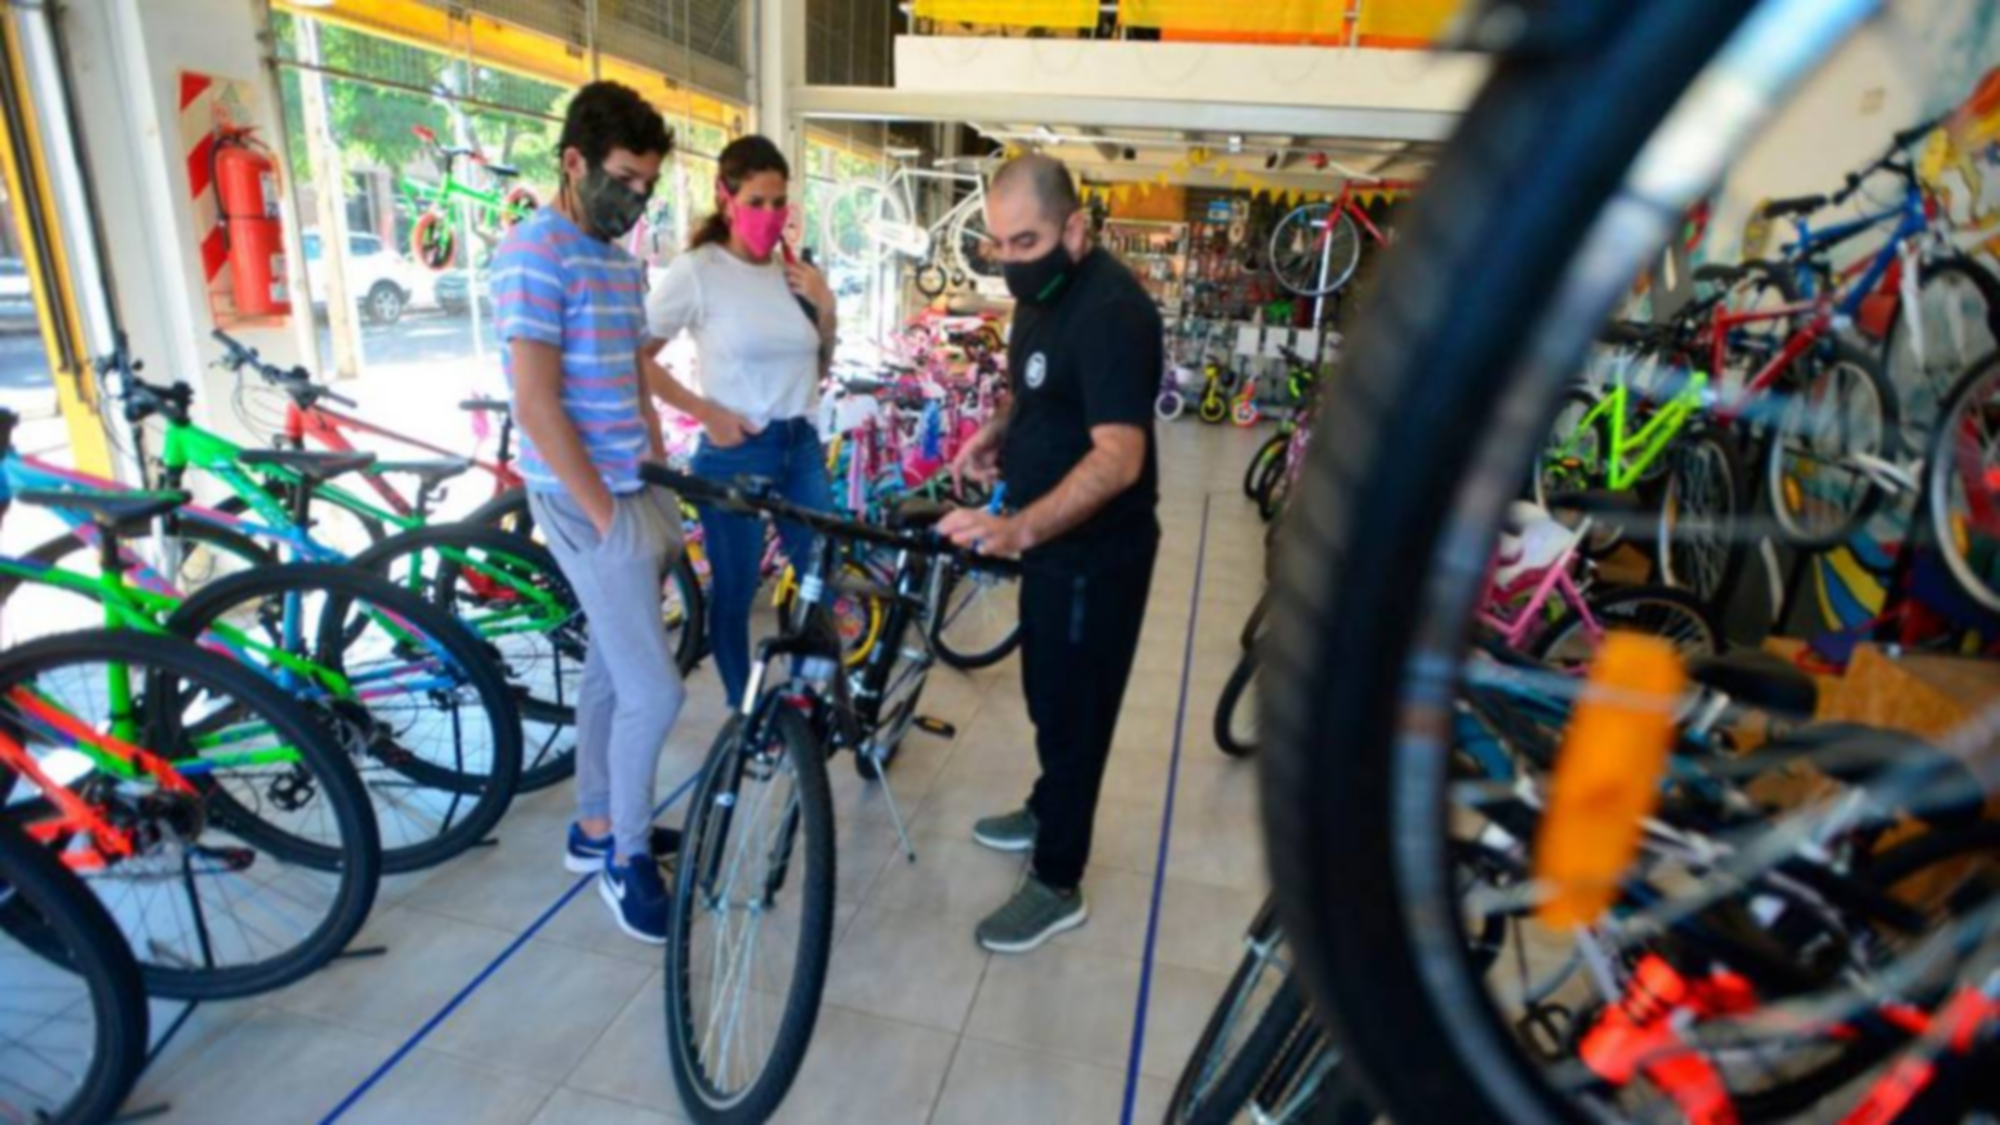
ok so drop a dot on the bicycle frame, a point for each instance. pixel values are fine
(329, 429)
(1632, 454)
(1555, 580)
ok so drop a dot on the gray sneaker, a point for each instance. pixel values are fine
(1012, 832)
(1036, 913)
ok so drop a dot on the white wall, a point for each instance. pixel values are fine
(126, 58)
(1227, 73)
(1920, 59)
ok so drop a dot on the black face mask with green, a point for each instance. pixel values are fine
(611, 208)
(1041, 281)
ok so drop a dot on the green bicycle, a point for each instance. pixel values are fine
(507, 590)
(442, 209)
(421, 709)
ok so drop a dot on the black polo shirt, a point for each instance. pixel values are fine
(1092, 358)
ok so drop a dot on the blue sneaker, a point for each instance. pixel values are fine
(637, 898)
(586, 854)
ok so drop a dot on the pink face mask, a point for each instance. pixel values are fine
(760, 230)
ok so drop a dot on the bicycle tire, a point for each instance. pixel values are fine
(1958, 542)
(433, 243)
(543, 660)
(390, 772)
(1213, 409)
(1704, 455)
(837, 224)
(351, 859)
(1253, 625)
(1921, 393)
(60, 916)
(1304, 272)
(1239, 1075)
(931, 279)
(1370, 519)
(1272, 449)
(1621, 607)
(972, 656)
(1169, 406)
(1235, 694)
(710, 818)
(1269, 489)
(1781, 488)
(967, 233)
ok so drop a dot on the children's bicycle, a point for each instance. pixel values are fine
(443, 208)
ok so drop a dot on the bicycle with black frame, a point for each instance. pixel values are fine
(752, 922)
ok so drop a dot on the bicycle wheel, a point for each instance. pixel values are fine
(1214, 408)
(1169, 406)
(978, 623)
(1659, 611)
(1236, 715)
(1263, 1009)
(931, 279)
(1273, 449)
(1833, 426)
(1314, 251)
(752, 920)
(433, 242)
(973, 247)
(513, 596)
(245, 861)
(857, 613)
(1955, 322)
(1962, 483)
(851, 228)
(1385, 558)
(1700, 546)
(423, 711)
(73, 1015)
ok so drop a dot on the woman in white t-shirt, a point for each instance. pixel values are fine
(763, 329)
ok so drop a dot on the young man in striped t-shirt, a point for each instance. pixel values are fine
(569, 308)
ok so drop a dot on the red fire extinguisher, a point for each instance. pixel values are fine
(246, 192)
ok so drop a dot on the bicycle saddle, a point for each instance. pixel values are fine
(429, 473)
(914, 512)
(488, 405)
(106, 509)
(1796, 205)
(312, 464)
(1761, 680)
(1928, 783)
(504, 171)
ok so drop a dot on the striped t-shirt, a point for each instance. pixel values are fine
(554, 284)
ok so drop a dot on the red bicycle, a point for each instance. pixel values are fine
(1316, 248)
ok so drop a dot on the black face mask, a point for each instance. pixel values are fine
(611, 208)
(1041, 281)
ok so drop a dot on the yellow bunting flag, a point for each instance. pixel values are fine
(1012, 13)
(1265, 17)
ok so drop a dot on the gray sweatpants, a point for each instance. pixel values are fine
(632, 690)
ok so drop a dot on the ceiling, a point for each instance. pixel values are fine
(1307, 163)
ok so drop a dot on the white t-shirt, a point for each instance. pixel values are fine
(758, 354)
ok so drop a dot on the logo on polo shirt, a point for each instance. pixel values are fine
(1038, 371)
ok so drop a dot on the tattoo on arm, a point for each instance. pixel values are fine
(1114, 464)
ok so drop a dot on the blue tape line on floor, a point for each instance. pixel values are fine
(1166, 831)
(485, 974)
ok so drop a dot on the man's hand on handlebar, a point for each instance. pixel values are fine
(985, 533)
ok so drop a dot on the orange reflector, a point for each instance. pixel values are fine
(1607, 777)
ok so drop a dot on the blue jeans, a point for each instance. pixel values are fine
(789, 454)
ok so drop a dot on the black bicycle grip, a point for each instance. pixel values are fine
(1918, 132)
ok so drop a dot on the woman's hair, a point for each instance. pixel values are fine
(744, 158)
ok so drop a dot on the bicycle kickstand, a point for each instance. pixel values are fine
(895, 810)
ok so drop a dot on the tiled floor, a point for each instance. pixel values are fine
(920, 1025)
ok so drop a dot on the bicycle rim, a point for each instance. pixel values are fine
(753, 918)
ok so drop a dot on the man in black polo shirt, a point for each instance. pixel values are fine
(1076, 450)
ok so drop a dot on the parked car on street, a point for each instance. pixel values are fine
(383, 282)
(453, 297)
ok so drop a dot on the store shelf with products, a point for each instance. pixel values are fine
(1156, 251)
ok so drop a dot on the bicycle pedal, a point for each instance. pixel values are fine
(937, 727)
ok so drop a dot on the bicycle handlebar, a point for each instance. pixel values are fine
(297, 382)
(748, 497)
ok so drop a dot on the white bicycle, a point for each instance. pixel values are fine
(866, 221)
